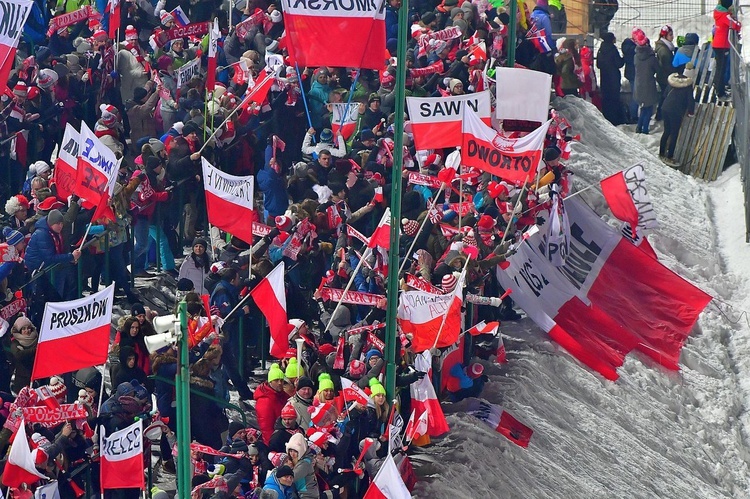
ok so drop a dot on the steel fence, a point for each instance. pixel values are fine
(653, 14)
(741, 138)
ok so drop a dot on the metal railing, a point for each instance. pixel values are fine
(741, 139)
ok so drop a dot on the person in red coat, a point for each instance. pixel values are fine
(723, 22)
(270, 399)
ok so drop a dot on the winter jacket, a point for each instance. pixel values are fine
(45, 247)
(146, 197)
(566, 67)
(646, 67)
(628, 55)
(196, 274)
(272, 489)
(268, 405)
(688, 52)
(22, 359)
(723, 22)
(300, 405)
(132, 74)
(609, 61)
(337, 151)
(680, 99)
(305, 480)
(281, 436)
(141, 118)
(540, 17)
(122, 373)
(664, 54)
(207, 419)
(317, 98)
(273, 187)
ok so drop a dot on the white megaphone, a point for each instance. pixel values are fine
(164, 327)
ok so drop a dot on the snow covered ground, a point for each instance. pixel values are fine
(651, 433)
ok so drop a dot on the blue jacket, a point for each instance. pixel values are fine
(41, 249)
(317, 98)
(540, 17)
(273, 187)
(282, 491)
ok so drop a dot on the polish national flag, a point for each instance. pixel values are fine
(382, 235)
(46, 397)
(229, 200)
(416, 427)
(270, 296)
(501, 421)
(353, 393)
(620, 201)
(64, 173)
(213, 41)
(96, 173)
(484, 328)
(121, 464)
(114, 8)
(424, 399)
(388, 483)
(436, 121)
(80, 328)
(344, 118)
(20, 467)
(17, 11)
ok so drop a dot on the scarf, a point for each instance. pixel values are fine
(201, 261)
(134, 49)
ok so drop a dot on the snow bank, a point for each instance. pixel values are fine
(652, 433)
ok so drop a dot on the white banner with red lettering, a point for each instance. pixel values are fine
(336, 33)
(485, 148)
(522, 94)
(122, 458)
(80, 328)
(96, 171)
(229, 200)
(66, 164)
(344, 118)
(436, 121)
(12, 18)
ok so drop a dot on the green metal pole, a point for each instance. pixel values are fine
(241, 353)
(158, 238)
(79, 274)
(398, 159)
(262, 343)
(512, 26)
(183, 408)
(107, 282)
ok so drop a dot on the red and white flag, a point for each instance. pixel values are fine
(388, 483)
(484, 328)
(436, 121)
(13, 19)
(515, 160)
(257, 90)
(424, 399)
(80, 328)
(381, 237)
(336, 34)
(229, 201)
(46, 397)
(501, 421)
(96, 173)
(20, 467)
(213, 43)
(114, 7)
(344, 118)
(66, 164)
(122, 458)
(432, 320)
(628, 198)
(270, 296)
(416, 427)
(525, 94)
(353, 393)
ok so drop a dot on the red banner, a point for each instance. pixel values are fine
(352, 232)
(352, 297)
(13, 308)
(421, 179)
(74, 17)
(205, 449)
(194, 29)
(51, 417)
(242, 29)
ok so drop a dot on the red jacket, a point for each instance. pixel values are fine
(723, 22)
(268, 405)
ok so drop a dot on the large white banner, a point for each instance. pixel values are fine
(522, 94)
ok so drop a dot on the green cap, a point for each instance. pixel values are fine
(275, 373)
(294, 370)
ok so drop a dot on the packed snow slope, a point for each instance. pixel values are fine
(652, 433)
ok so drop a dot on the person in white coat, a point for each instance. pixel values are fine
(197, 266)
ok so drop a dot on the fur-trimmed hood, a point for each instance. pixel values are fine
(677, 80)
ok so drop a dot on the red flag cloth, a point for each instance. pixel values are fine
(96, 173)
(353, 393)
(15, 13)
(46, 397)
(229, 201)
(80, 328)
(436, 121)
(64, 173)
(114, 7)
(20, 467)
(515, 160)
(213, 42)
(484, 328)
(336, 37)
(618, 198)
(259, 92)
(121, 464)
(344, 118)
(423, 397)
(514, 430)
(388, 483)
(416, 427)
(382, 234)
(339, 362)
(270, 296)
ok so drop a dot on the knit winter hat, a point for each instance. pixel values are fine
(21, 89)
(99, 35)
(50, 203)
(639, 37)
(376, 388)
(58, 388)
(356, 369)
(305, 382)
(326, 135)
(277, 458)
(325, 382)
(276, 16)
(131, 33)
(288, 412)
(411, 227)
(47, 78)
(156, 145)
(283, 222)
(12, 236)
(275, 373)
(283, 471)
(54, 217)
(486, 223)
(475, 370)
(294, 370)
(448, 282)
(139, 93)
(165, 17)
(373, 352)
(21, 322)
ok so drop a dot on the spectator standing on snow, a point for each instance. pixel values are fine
(645, 94)
(723, 22)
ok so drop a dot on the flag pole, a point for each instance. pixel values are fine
(398, 162)
(365, 255)
(183, 403)
(304, 98)
(515, 209)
